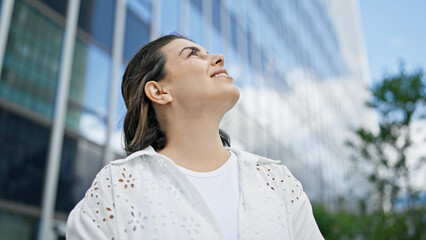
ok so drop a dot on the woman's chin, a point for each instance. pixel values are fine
(232, 98)
(236, 95)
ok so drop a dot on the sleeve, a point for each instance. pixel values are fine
(303, 221)
(301, 217)
(94, 216)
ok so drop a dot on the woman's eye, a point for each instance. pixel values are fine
(193, 52)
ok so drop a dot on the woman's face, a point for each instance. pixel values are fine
(197, 80)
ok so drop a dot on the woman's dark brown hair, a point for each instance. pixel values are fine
(141, 128)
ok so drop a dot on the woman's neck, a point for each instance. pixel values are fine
(195, 145)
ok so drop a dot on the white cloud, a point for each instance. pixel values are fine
(93, 128)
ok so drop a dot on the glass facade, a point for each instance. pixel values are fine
(31, 60)
(23, 159)
(300, 67)
(16, 226)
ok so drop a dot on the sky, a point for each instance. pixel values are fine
(394, 30)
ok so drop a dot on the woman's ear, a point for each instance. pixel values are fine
(156, 93)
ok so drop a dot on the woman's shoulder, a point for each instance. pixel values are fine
(275, 174)
(146, 154)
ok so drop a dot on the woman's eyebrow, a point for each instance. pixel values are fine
(192, 48)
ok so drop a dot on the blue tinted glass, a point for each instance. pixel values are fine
(23, 154)
(97, 79)
(170, 16)
(90, 77)
(64, 195)
(197, 4)
(93, 127)
(216, 43)
(216, 13)
(89, 87)
(120, 113)
(77, 170)
(142, 9)
(17, 226)
(31, 61)
(195, 24)
(97, 18)
(249, 48)
(59, 6)
(136, 35)
(121, 107)
(233, 30)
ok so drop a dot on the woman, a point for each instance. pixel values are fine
(180, 179)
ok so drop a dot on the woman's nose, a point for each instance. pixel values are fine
(218, 59)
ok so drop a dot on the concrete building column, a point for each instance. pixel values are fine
(117, 59)
(156, 19)
(184, 17)
(57, 134)
(6, 17)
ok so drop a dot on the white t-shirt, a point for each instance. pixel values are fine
(220, 190)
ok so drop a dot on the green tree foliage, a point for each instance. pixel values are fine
(399, 100)
(383, 155)
(374, 225)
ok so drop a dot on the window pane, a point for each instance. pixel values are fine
(136, 35)
(14, 226)
(233, 30)
(195, 22)
(59, 6)
(64, 200)
(97, 19)
(31, 61)
(23, 154)
(196, 4)
(141, 9)
(117, 135)
(216, 14)
(89, 88)
(81, 161)
(170, 17)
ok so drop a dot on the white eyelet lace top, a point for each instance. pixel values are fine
(146, 196)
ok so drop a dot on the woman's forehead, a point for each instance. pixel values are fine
(174, 48)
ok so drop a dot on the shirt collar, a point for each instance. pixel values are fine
(242, 156)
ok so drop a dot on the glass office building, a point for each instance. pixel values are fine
(300, 66)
